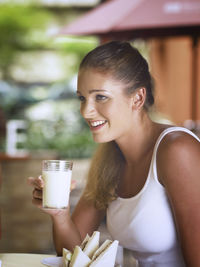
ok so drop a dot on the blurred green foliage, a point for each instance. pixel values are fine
(24, 28)
(17, 25)
(76, 46)
(65, 143)
(63, 131)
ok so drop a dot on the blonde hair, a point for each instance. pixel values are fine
(104, 174)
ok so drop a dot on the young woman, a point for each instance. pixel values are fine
(145, 176)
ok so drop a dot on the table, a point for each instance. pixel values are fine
(22, 260)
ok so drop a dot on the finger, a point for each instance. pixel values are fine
(36, 182)
(37, 194)
(73, 185)
(37, 202)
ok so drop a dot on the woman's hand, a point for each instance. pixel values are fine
(38, 184)
(65, 232)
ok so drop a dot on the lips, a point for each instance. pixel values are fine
(95, 125)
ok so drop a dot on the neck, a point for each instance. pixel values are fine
(136, 144)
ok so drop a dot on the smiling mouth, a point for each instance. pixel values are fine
(94, 125)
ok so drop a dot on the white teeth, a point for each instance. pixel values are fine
(96, 123)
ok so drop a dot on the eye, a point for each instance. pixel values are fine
(81, 98)
(101, 97)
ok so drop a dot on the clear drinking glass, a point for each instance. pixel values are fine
(57, 179)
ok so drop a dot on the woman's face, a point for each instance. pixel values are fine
(104, 106)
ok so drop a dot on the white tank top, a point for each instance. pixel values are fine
(144, 223)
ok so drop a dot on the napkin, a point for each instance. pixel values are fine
(79, 258)
(104, 257)
(53, 261)
(90, 254)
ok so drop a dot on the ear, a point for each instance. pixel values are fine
(139, 98)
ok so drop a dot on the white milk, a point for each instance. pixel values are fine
(56, 188)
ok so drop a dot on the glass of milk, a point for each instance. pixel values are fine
(57, 179)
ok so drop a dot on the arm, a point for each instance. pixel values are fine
(68, 231)
(178, 166)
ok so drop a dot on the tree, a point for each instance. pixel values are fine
(17, 25)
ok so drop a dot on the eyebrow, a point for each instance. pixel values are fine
(93, 91)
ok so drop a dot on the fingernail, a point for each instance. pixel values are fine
(41, 181)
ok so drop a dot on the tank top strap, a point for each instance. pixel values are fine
(153, 167)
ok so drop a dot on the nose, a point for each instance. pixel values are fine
(87, 110)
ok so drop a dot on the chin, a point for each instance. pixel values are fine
(102, 139)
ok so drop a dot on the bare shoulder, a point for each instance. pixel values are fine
(178, 143)
(177, 151)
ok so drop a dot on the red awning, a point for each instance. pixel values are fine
(139, 18)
